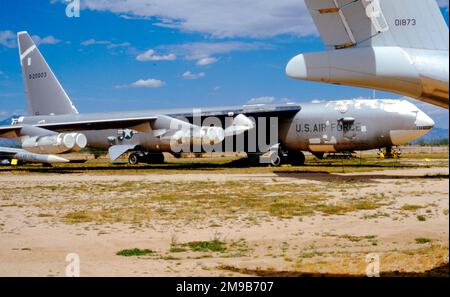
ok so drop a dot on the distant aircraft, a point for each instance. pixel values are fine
(54, 125)
(401, 46)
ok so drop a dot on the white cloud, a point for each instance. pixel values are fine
(109, 44)
(200, 50)
(148, 83)
(150, 55)
(144, 83)
(204, 52)
(115, 45)
(46, 40)
(90, 42)
(262, 100)
(207, 61)
(218, 18)
(8, 39)
(193, 76)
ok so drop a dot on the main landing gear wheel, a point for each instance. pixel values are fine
(154, 158)
(275, 160)
(133, 159)
(296, 158)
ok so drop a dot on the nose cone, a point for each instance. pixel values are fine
(296, 68)
(422, 125)
(424, 122)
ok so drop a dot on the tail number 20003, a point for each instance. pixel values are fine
(38, 75)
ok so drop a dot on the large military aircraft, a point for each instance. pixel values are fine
(278, 132)
(401, 46)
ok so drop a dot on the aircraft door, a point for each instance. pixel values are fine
(347, 128)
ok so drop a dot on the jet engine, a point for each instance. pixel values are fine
(54, 144)
(204, 135)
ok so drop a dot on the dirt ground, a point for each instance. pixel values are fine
(207, 223)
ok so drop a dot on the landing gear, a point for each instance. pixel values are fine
(278, 158)
(275, 160)
(296, 158)
(133, 159)
(319, 156)
(148, 158)
(154, 158)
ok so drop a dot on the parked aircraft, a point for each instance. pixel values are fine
(400, 46)
(280, 133)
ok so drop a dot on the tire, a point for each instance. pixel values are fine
(133, 159)
(275, 160)
(155, 158)
(297, 158)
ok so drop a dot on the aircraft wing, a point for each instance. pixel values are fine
(136, 123)
(256, 110)
(366, 23)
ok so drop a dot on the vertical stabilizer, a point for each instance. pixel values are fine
(45, 94)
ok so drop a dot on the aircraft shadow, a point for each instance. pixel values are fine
(439, 271)
(367, 178)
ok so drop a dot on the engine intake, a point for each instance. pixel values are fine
(55, 144)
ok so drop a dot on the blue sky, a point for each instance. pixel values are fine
(169, 53)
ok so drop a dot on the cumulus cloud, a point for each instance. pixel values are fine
(9, 39)
(205, 52)
(207, 61)
(218, 18)
(148, 83)
(107, 43)
(46, 40)
(144, 83)
(151, 55)
(193, 76)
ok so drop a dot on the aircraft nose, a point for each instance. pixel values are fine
(421, 126)
(296, 68)
(423, 121)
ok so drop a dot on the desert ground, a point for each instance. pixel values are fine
(218, 217)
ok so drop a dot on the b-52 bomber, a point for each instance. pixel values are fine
(276, 133)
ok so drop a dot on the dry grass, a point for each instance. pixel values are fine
(354, 264)
(137, 202)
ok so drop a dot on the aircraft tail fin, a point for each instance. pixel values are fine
(45, 94)
(415, 24)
